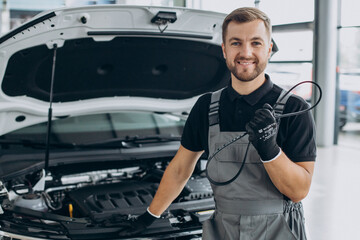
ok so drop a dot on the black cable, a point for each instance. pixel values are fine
(302, 111)
(216, 152)
(241, 136)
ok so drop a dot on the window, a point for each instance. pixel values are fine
(293, 46)
(97, 127)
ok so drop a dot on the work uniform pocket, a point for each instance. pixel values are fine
(225, 165)
(236, 153)
(228, 161)
(294, 218)
(212, 228)
(278, 228)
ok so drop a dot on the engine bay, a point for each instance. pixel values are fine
(95, 203)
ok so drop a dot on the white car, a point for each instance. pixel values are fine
(117, 83)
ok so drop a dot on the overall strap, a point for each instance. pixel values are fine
(281, 102)
(215, 103)
(214, 109)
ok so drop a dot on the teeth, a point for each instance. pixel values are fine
(245, 63)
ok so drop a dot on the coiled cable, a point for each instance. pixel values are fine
(277, 116)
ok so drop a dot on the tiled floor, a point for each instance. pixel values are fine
(332, 208)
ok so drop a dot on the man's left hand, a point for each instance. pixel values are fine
(262, 130)
(136, 225)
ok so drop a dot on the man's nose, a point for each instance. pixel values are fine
(245, 50)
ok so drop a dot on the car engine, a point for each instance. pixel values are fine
(103, 199)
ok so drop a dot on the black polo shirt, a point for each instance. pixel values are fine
(296, 136)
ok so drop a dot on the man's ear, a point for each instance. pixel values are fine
(223, 50)
(270, 49)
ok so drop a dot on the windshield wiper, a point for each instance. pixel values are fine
(134, 141)
(34, 144)
(123, 142)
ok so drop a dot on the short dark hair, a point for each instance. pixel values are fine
(243, 15)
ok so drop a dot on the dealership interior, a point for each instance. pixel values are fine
(318, 40)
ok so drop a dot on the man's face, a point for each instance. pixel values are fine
(247, 49)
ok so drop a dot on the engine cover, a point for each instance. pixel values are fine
(102, 201)
(108, 200)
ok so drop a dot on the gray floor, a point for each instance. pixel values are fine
(332, 208)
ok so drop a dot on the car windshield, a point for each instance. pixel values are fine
(94, 128)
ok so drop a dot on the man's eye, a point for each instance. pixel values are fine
(257, 43)
(235, 44)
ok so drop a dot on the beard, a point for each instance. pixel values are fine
(246, 75)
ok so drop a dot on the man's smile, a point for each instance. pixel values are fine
(245, 63)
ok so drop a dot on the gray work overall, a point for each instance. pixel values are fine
(251, 207)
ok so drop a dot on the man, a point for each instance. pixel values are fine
(263, 202)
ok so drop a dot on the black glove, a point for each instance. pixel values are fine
(262, 130)
(136, 225)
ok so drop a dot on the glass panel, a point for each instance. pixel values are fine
(226, 6)
(34, 5)
(349, 84)
(293, 46)
(349, 49)
(285, 11)
(279, 11)
(350, 12)
(286, 75)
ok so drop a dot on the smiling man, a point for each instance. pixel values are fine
(260, 180)
(247, 56)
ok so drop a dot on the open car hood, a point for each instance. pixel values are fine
(108, 58)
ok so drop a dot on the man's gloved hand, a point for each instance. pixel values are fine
(136, 225)
(262, 130)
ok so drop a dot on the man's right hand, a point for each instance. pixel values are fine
(136, 225)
